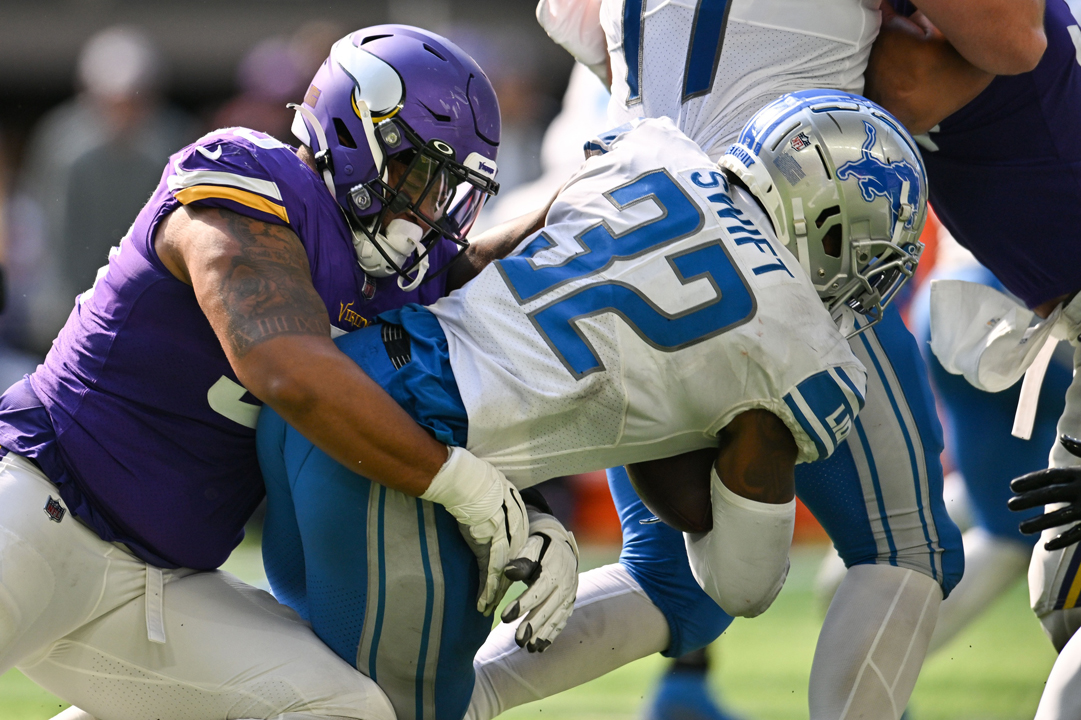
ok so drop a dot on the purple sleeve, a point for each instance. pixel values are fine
(229, 170)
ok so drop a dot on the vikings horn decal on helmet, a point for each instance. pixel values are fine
(845, 187)
(404, 126)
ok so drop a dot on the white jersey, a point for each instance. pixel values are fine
(667, 58)
(653, 308)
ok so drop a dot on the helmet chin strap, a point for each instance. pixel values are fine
(402, 239)
(422, 270)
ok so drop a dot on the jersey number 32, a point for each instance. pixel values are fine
(680, 218)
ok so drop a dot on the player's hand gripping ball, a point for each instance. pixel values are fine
(549, 566)
(1047, 487)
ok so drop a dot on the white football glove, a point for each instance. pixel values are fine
(491, 514)
(549, 565)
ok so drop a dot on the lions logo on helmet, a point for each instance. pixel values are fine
(883, 179)
(845, 188)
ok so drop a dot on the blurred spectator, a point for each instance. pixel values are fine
(584, 115)
(276, 72)
(13, 363)
(91, 164)
(523, 87)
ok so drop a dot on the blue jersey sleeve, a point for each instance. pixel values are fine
(825, 405)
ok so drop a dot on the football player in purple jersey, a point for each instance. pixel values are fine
(1009, 141)
(129, 462)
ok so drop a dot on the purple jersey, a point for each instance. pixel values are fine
(136, 413)
(1005, 178)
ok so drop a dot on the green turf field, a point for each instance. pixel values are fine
(993, 671)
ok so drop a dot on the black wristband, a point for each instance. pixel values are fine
(532, 497)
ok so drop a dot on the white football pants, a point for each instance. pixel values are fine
(74, 618)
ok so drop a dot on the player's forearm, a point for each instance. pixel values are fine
(494, 244)
(329, 400)
(920, 78)
(1002, 37)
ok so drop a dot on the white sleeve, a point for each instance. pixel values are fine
(742, 562)
(575, 25)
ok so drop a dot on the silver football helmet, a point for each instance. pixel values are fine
(846, 190)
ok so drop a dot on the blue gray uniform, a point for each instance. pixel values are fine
(879, 496)
(385, 579)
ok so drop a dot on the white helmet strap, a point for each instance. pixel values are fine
(369, 133)
(322, 138)
(904, 212)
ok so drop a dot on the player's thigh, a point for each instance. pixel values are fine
(55, 574)
(656, 557)
(405, 612)
(283, 549)
(231, 651)
(880, 495)
(1054, 582)
(1054, 579)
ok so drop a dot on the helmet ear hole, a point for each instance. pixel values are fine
(344, 136)
(831, 241)
(826, 215)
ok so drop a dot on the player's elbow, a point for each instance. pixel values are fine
(908, 103)
(742, 562)
(284, 386)
(285, 391)
(1016, 51)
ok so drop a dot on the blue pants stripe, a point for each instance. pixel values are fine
(877, 484)
(429, 603)
(382, 565)
(911, 453)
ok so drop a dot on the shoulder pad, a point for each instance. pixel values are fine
(230, 169)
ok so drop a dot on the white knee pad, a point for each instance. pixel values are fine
(1061, 698)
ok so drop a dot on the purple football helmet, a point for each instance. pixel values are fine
(404, 126)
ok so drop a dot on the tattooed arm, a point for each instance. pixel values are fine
(253, 282)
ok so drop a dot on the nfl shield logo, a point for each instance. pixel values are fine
(55, 510)
(368, 291)
(801, 141)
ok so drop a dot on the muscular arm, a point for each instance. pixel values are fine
(916, 74)
(253, 282)
(1001, 37)
(756, 460)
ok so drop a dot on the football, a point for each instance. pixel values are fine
(676, 489)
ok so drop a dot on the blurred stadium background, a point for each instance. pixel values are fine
(94, 96)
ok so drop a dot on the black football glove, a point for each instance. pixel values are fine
(1053, 485)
